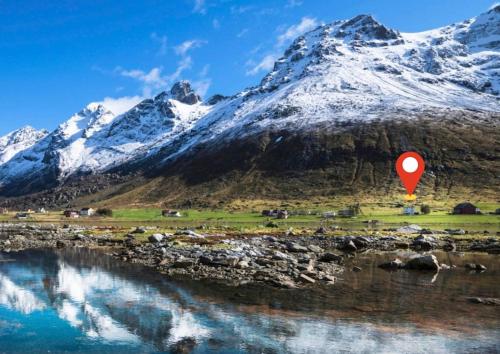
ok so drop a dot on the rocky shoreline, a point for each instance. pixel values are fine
(284, 261)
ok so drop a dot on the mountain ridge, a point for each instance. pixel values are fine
(339, 75)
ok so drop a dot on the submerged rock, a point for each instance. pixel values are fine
(428, 262)
(394, 264)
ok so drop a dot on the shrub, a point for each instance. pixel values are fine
(104, 212)
(425, 209)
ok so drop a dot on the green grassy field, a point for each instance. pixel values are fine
(439, 218)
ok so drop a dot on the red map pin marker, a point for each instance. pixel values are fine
(410, 167)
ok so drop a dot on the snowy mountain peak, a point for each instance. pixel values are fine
(19, 140)
(365, 27)
(481, 32)
(182, 92)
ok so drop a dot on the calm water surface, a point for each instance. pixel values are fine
(82, 301)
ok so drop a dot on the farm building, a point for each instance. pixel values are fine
(282, 214)
(171, 213)
(4, 211)
(347, 213)
(87, 212)
(409, 210)
(276, 213)
(466, 208)
(71, 213)
(329, 214)
(41, 211)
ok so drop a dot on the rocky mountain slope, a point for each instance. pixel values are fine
(343, 101)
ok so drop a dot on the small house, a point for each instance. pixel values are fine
(346, 213)
(41, 211)
(466, 208)
(4, 211)
(22, 216)
(71, 213)
(171, 213)
(409, 210)
(282, 214)
(266, 212)
(87, 212)
(329, 214)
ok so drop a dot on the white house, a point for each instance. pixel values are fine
(87, 212)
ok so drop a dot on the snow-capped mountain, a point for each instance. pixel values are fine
(341, 74)
(95, 139)
(19, 140)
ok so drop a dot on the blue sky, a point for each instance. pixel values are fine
(57, 56)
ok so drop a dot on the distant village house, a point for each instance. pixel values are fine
(4, 211)
(329, 214)
(22, 215)
(466, 208)
(71, 213)
(276, 213)
(171, 213)
(41, 211)
(87, 212)
(409, 210)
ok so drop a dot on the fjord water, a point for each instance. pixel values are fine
(82, 301)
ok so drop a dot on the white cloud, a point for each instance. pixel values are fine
(121, 104)
(294, 3)
(305, 25)
(199, 7)
(183, 48)
(201, 86)
(242, 33)
(162, 41)
(215, 23)
(184, 64)
(151, 81)
(238, 10)
(265, 64)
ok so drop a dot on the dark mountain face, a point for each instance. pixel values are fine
(330, 118)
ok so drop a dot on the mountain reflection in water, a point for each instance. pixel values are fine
(80, 300)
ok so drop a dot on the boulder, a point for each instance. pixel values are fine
(331, 257)
(295, 247)
(410, 229)
(315, 249)
(428, 262)
(394, 264)
(349, 246)
(306, 279)
(156, 238)
(139, 230)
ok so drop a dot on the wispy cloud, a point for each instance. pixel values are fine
(215, 23)
(242, 33)
(294, 3)
(151, 80)
(238, 10)
(199, 7)
(183, 48)
(161, 41)
(305, 25)
(266, 63)
(121, 104)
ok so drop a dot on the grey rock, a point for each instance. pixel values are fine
(394, 264)
(156, 238)
(428, 262)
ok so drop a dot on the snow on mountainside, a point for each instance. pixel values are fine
(19, 140)
(95, 139)
(355, 70)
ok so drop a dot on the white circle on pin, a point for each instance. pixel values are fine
(410, 164)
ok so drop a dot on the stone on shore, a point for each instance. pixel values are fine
(428, 262)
